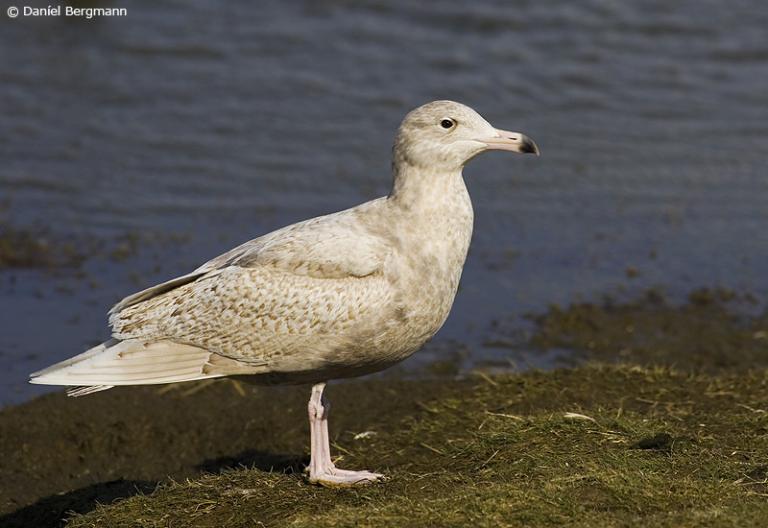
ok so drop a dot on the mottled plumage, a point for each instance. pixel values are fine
(335, 296)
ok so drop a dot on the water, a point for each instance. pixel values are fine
(223, 123)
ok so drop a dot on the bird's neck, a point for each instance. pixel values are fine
(434, 229)
(436, 211)
(416, 189)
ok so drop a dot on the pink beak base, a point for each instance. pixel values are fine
(513, 142)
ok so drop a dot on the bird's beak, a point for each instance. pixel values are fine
(513, 141)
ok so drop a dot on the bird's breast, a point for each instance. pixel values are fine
(430, 263)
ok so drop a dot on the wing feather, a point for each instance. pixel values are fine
(331, 246)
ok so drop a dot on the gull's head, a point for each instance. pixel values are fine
(445, 135)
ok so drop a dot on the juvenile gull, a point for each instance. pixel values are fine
(336, 296)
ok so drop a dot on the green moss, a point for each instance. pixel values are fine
(706, 332)
(599, 445)
(594, 446)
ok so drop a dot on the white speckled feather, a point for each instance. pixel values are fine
(335, 296)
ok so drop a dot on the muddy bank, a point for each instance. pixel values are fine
(35, 248)
(643, 443)
(40, 248)
(61, 454)
(584, 447)
(711, 330)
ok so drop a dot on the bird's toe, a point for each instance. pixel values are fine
(342, 478)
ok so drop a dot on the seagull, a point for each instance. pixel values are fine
(337, 296)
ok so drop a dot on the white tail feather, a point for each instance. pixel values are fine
(82, 391)
(130, 362)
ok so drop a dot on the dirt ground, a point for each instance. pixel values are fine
(670, 429)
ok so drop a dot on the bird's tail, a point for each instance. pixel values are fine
(129, 362)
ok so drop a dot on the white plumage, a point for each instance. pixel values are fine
(335, 296)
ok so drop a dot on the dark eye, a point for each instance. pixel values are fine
(447, 123)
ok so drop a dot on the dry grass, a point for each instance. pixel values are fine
(594, 446)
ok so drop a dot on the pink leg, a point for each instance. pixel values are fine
(321, 467)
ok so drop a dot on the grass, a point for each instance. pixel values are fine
(607, 444)
(592, 446)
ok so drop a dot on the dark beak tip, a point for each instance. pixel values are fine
(529, 147)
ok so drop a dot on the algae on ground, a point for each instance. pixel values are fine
(40, 248)
(610, 445)
(707, 332)
(29, 248)
(593, 446)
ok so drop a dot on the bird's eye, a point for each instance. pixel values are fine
(447, 123)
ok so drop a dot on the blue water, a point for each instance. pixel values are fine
(220, 122)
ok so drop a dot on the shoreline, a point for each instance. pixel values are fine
(674, 432)
(594, 445)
